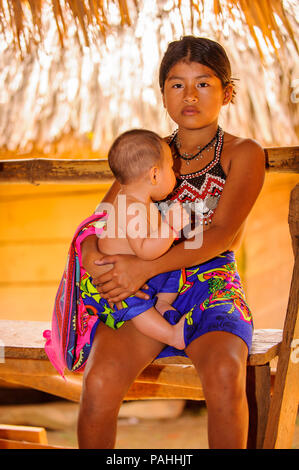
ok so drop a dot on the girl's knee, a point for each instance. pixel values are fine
(103, 384)
(224, 375)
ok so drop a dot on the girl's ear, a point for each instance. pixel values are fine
(228, 94)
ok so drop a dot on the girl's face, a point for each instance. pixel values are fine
(193, 95)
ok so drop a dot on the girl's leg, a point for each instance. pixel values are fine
(151, 323)
(220, 359)
(117, 357)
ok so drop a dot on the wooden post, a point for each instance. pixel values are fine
(284, 403)
(258, 388)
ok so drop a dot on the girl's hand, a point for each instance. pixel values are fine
(127, 276)
(177, 216)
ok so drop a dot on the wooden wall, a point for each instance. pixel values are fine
(37, 223)
(268, 252)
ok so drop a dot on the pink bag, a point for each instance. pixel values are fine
(69, 341)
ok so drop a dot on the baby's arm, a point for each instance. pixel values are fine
(157, 240)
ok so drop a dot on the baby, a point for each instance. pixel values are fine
(143, 165)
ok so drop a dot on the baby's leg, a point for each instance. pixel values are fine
(152, 324)
(164, 301)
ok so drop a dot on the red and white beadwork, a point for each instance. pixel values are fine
(202, 189)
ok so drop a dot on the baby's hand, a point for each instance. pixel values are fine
(177, 217)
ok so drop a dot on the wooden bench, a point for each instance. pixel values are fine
(272, 414)
(26, 363)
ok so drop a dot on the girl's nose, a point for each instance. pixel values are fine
(191, 98)
(190, 95)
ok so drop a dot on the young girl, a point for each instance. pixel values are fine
(225, 173)
(142, 163)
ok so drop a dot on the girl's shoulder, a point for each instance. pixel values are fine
(243, 152)
(235, 143)
(240, 147)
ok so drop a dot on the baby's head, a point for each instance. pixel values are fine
(141, 155)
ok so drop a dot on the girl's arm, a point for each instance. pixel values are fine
(90, 253)
(242, 187)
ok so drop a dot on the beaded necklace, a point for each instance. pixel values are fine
(201, 188)
(189, 156)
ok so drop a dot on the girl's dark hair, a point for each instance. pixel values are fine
(133, 153)
(201, 50)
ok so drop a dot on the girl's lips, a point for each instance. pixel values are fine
(189, 111)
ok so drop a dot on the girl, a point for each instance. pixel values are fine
(225, 173)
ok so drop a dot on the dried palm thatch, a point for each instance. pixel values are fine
(84, 70)
(91, 14)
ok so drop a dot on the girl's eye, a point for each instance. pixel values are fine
(202, 85)
(177, 85)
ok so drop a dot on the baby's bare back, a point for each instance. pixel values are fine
(113, 240)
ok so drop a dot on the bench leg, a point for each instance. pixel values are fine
(284, 403)
(258, 390)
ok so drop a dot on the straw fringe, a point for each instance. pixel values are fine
(66, 99)
(91, 13)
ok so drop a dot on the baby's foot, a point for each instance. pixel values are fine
(178, 340)
(162, 307)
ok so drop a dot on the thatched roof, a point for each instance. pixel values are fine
(86, 70)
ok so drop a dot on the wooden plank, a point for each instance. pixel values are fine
(71, 389)
(284, 403)
(12, 444)
(22, 369)
(23, 433)
(282, 159)
(144, 391)
(163, 378)
(24, 339)
(53, 384)
(40, 375)
(265, 346)
(177, 375)
(172, 374)
(46, 170)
